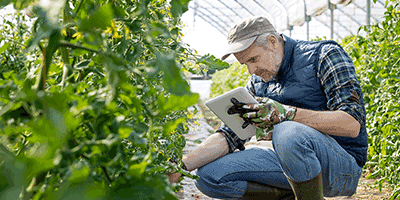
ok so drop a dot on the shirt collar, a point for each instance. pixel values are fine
(287, 57)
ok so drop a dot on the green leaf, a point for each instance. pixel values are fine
(35, 39)
(178, 7)
(168, 128)
(172, 79)
(80, 171)
(180, 102)
(20, 4)
(100, 19)
(83, 64)
(11, 177)
(119, 11)
(4, 47)
(140, 127)
(137, 139)
(4, 3)
(7, 75)
(124, 132)
(6, 108)
(137, 170)
(89, 189)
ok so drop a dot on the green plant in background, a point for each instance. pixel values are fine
(377, 59)
(228, 79)
(205, 65)
(93, 102)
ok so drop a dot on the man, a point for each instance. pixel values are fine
(312, 108)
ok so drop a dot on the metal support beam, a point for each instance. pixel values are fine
(325, 24)
(220, 11)
(196, 6)
(361, 8)
(212, 22)
(244, 7)
(284, 10)
(230, 8)
(307, 20)
(368, 12)
(349, 16)
(286, 13)
(252, 14)
(380, 2)
(332, 8)
(341, 25)
(218, 20)
(290, 30)
(266, 12)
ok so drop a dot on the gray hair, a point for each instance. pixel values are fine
(262, 39)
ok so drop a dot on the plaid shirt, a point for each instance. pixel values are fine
(337, 75)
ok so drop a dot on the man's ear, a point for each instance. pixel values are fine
(273, 41)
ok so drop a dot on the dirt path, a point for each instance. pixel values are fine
(201, 129)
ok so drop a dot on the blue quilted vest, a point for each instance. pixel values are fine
(297, 84)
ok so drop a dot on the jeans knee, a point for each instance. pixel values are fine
(288, 139)
(205, 182)
(205, 174)
(286, 133)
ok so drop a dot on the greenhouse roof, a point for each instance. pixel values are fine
(333, 19)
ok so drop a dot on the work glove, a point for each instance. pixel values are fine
(263, 115)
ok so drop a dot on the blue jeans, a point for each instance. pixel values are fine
(300, 153)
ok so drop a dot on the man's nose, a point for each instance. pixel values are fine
(251, 69)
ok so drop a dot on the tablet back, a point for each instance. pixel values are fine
(220, 105)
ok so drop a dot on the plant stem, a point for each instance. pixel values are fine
(65, 52)
(73, 46)
(105, 172)
(48, 52)
(78, 8)
(43, 72)
(66, 67)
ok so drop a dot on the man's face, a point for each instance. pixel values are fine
(263, 61)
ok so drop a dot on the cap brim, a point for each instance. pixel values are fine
(238, 46)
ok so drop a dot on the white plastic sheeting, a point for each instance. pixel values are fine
(296, 12)
(288, 15)
(315, 8)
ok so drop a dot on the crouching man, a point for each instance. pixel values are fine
(310, 105)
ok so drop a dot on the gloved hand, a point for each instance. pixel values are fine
(264, 115)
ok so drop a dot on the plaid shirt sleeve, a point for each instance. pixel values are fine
(234, 142)
(339, 80)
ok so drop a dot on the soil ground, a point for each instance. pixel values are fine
(205, 124)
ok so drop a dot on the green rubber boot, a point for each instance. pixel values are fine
(308, 190)
(255, 191)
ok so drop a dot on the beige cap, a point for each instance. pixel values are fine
(245, 32)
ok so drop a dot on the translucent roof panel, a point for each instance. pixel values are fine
(278, 12)
(316, 7)
(296, 10)
(290, 15)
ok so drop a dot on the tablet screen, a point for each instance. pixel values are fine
(220, 105)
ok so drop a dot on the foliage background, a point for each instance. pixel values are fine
(228, 79)
(93, 101)
(377, 59)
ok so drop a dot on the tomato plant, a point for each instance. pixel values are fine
(228, 79)
(377, 57)
(93, 101)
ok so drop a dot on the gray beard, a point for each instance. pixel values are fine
(274, 76)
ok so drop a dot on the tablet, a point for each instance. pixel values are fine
(220, 105)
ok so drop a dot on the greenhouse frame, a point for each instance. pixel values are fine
(333, 19)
